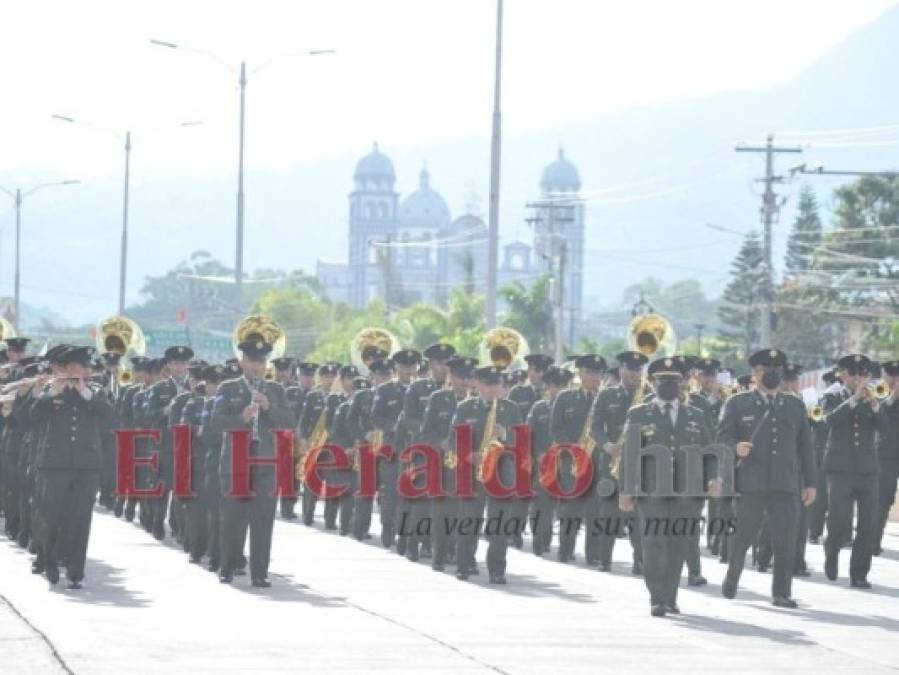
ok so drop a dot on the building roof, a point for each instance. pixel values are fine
(424, 207)
(375, 166)
(560, 176)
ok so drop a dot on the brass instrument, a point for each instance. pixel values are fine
(586, 440)
(509, 338)
(882, 389)
(317, 439)
(489, 444)
(639, 394)
(652, 335)
(120, 335)
(816, 413)
(269, 329)
(7, 330)
(371, 337)
(126, 377)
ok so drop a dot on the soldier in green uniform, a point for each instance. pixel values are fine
(156, 415)
(542, 516)
(436, 432)
(68, 461)
(338, 426)
(775, 470)
(125, 415)
(817, 512)
(284, 371)
(413, 512)
(385, 413)
(667, 517)
(612, 405)
(476, 413)
(853, 471)
(249, 402)
(107, 475)
(888, 449)
(318, 412)
(571, 423)
(296, 396)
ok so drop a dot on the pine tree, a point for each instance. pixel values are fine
(741, 301)
(806, 234)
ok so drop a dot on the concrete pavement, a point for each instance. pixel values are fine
(344, 606)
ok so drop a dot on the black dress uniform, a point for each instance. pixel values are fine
(474, 411)
(360, 427)
(817, 511)
(386, 409)
(769, 479)
(68, 464)
(342, 507)
(256, 513)
(852, 476)
(888, 454)
(667, 523)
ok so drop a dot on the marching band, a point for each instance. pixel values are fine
(800, 470)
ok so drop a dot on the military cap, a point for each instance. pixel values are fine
(179, 353)
(139, 363)
(424, 368)
(307, 367)
(80, 355)
(440, 351)
(632, 360)
(792, 371)
(890, 367)
(329, 368)
(539, 362)
(32, 369)
(745, 381)
(667, 366)
(283, 363)
(381, 366)
(232, 369)
(708, 366)
(110, 359)
(374, 353)
(214, 373)
(855, 363)
(462, 366)
(53, 354)
(17, 344)
(875, 369)
(829, 376)
(255, 347)
(592, 362)
(407, 357)
(155, 365)
(349, 371)
(768, 357)
(489, 374)
(361, 383)
(556, 376)
(509, 378)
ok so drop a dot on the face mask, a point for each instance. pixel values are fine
(771, 379)
(668, 390)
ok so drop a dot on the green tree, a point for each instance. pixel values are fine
(805, 237)
(739, 308)
(302, 315)
(530, 312)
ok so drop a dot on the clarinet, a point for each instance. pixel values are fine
(255, 386)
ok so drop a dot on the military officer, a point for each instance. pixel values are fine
(296, 396)
(386, 409)
(818, 510)
(436, 432)
(775, 470)
(571, 423)
(555, 380)
(318, 412)
(284, 370)
(666, 520)
(888, 449)
(611, 408)
(249, 402)
(526, 394)
(338, 425)
(16, 348)
(853, 471)
(343, 434)
(492, 420)
(68, 462)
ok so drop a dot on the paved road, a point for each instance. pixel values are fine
(349, 607)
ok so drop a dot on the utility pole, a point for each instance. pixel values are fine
(493, 216)
(553, 247)
(238, 266)
(699, 328)
(769, 210)
(123, 256)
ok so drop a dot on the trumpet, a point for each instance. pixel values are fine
(815, 413)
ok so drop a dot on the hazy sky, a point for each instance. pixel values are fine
(406, 72)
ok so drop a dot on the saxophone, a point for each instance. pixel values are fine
(317, 439)
(489, 445)
(615, 464)
(586, 440)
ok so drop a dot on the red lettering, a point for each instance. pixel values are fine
(181, 442)
(241, 461)
(549, 477)
(432, 470)
(521, 487)
(127, 463)
(338, 460)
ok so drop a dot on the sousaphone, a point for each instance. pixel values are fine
(503, 347)
(268, 328)
(652, 335)
(371, 337)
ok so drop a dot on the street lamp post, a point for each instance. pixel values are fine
(18, 197)
(126, 140)
(241, 73)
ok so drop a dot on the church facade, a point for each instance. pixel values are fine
(411, 249)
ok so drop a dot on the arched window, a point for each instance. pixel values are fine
(383, 210)
(516, 262)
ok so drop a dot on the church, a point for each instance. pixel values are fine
(412, 250)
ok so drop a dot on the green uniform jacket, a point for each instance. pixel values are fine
(73, 426)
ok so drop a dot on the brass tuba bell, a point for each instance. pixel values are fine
(503, 347)
(7, 330)
(651, 335)
(121, 335)
(268, 328)
(371, 337)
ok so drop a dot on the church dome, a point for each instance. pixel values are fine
(560, 176)
(375, 166)
(424, 207)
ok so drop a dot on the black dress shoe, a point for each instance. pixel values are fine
(195, 560)
(262, 583)
(860, 583)
(786, 603)
(592, 562)
(226, 577)
(73, 585)
(438, 567)
(605, 567)
(564, 558)
(637, 569)
(213, 565)
(240, 572)
(498, 579)
(657, 610)
(813, 539)
(412, 556)
(366, 536)
(159, 533)
(672, 608)
(37, 567)
(53, 575)
(462, 576)
(696, 580)
(878, 549)
(804, 572)
(831, 567)
(330, 526)
(729, 589)
(762, 567)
